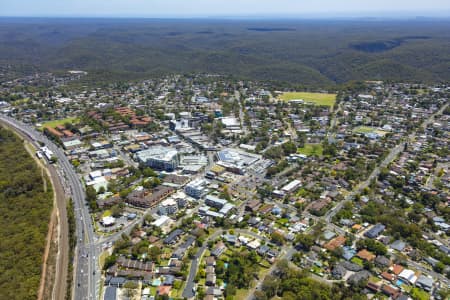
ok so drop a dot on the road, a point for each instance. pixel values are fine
(86, 269)
(389, 158)
(362, 185)
(393, 154)
(188, 290)
(190, 283)
(237, 96)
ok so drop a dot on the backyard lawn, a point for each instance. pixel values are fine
(358, 261)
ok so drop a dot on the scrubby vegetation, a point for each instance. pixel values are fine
(25, 209)
(337, 52)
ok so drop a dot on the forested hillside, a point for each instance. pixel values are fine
(24, 215)
(300, 51)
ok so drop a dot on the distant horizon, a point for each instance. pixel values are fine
(229, 9)
(278, 17)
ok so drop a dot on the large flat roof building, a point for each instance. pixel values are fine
(193, 163)
(236, 160)
(215, 202)
(160, 158)
(291, 186)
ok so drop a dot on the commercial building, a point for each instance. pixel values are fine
(291, 187)
(192, 164)
(73, 144)
(231, 124)
(168, 207)
(108, 221)
(160, 158)
(235, 160)
(162, 221)
(197, 188)
(226, 209)
(147, 199)
(215, 202)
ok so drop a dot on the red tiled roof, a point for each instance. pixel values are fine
(164, 290)
(366, 255)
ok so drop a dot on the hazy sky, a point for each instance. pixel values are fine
(205, 8)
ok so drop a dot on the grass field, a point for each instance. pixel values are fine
(311, 150)
(55, 123)
(20, 101)
(368, 129)
(316, 98)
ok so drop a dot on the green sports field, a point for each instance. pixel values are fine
(368, 129)
(55, 123)
(316, 98)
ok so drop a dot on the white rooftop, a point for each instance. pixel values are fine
(108, 220)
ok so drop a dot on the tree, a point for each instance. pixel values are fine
(101, 190)
(289, 148)
(439, 267)
(220, 267)
(230, 290)
(154, 253)
(91, 194)
(91, 197)
(109, 261)
(130, 288)
(259, 295)
(117, 210)
(305, 240)
(225, 193)
(371, 245)
(277, 238)
(270, 286)
(297, 258)
(200, 294)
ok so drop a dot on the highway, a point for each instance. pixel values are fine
(87, 275)
(86, 269)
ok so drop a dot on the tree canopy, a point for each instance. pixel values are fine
(25, 208)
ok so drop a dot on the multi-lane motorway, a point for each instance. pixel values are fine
(86, 268)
